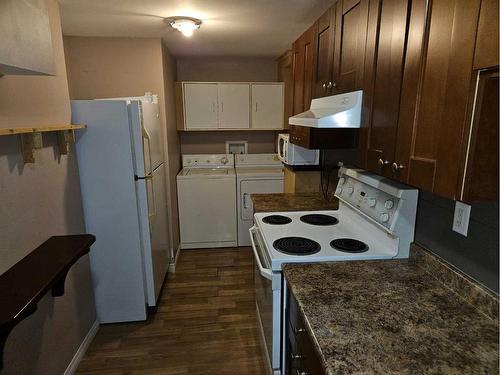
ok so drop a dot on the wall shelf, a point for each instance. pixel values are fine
(31, 138)
(23, 285)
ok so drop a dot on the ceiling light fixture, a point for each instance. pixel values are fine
(186, 25)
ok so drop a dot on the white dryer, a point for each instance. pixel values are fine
(255, 173)
(206, 189)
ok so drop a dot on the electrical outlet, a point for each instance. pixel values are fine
(461, 218)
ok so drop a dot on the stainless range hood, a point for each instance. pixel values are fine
(336, 111)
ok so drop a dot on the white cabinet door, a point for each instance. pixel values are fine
(267, 106)
(200, 106)
(234, 103)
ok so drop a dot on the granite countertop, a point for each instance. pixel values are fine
(292, 202)
(394, 317)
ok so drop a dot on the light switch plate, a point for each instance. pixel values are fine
(461, 218)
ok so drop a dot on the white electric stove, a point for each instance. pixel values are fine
(375, 220)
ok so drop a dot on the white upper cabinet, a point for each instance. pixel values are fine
(267, 106)
(200, 106)
(234, 100)
(229, 106)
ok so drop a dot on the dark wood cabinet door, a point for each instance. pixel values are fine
(323, 63)
(430, 134)
(481, 170)
(351, 21)
(486, 54)
(393, 16)
(303, 65)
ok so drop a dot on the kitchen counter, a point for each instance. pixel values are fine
(292, 202)
(389, 317)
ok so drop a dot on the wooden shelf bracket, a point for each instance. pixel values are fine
(45, 268)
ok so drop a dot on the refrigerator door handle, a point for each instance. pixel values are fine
(147, 137)
(149, 179)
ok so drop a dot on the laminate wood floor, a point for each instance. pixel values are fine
(205, 323)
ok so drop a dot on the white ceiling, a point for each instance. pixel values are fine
(259, 28)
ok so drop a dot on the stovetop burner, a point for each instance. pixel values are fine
(296, 246)
(349, 245)
(277, 220)
(319, 219)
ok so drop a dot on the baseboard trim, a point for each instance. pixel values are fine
(73, 365)
(171, 266)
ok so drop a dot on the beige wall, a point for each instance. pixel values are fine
(114, 67)
(215, 142)
(226, 70)
(38, 201)
(173, 142)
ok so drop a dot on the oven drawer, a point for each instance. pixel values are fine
(301, 356)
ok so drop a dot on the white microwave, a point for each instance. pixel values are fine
(292, 154)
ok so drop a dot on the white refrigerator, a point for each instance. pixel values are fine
(122, 177)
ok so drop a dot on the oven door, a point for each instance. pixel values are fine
(268, 303)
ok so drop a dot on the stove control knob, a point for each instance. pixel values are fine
(371, 202)
(339, 190)
(384, 218)
(342, 181)
(350, 190)
(389, 204)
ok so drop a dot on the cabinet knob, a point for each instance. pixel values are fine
(331, 84)
(382, 163)
(324, 86)
(396, 167)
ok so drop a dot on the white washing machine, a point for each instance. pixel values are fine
(206, 189)
(255, 173)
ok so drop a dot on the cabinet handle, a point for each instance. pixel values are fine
(256, 106)
(296, 356)
(331, 84)
(382, 163)
(298, 330)
(213, 107)
(222, 106)
(324, 86)
(396, 167)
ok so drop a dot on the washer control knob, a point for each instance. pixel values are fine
(224, 160)
(384, 218)
(371, 202)
(339, 190)
(389, 204)
(350, 190)
(342, 181)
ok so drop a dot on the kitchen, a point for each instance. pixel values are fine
(315, 195)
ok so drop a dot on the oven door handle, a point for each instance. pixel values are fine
(267, 273)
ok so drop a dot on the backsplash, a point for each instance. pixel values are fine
(477, 254)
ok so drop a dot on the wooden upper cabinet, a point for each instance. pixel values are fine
(430, 134)
(486, 54)
(233, 108)
(303, 65)
(285, 75)
(267, 106)
(323, 62)
(200, 106)
(351, 23)
(393, 15)
(481, 169)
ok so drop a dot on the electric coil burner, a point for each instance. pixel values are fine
(276, 220)
(349, 245)
(319, 219)
(296, 246)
